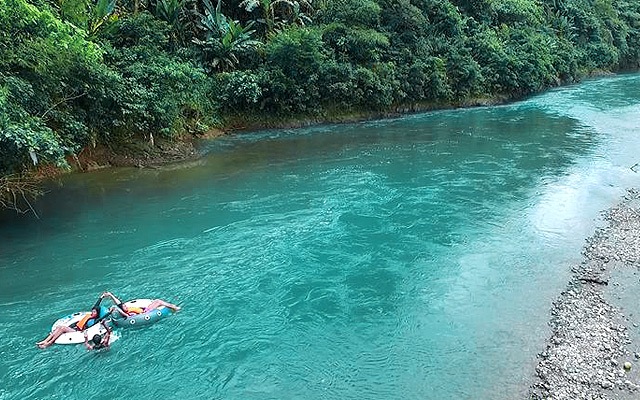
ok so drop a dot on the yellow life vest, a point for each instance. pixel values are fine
(134, 310)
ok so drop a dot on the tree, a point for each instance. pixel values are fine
(278, 13)
(41, 87)
(224, 39)
(90, 15)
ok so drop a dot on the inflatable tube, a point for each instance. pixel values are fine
(78, 336)
(146, 318)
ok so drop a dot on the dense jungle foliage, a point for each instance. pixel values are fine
(74, 73)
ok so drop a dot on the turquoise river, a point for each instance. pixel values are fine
(410, 258)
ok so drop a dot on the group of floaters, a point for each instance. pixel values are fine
(94, 328)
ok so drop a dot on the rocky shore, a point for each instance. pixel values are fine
(593, 352)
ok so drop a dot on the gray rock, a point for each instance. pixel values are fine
(581, 356)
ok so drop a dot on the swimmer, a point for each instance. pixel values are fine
(98, 341)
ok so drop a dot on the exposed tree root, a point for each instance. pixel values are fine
(17, 192)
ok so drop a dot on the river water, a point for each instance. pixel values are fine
(412, 258)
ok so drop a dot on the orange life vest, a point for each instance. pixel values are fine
(81, 324)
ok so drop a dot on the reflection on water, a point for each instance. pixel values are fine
(413, 258)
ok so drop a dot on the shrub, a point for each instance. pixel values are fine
(42, 85)
(357, 45)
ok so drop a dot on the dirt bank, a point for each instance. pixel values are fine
(141, 153)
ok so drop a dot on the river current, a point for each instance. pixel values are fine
(410, 258)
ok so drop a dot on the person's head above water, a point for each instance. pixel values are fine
(97, 339)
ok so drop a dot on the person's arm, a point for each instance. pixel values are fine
(119, 310)
(112, 297)
(86, 342)
(107, 335)
(106, 327)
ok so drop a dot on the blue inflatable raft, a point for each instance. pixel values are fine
(145, 318)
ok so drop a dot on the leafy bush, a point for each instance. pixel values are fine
(24, 140)
(512, 12)
(375, 87)
(298, 52)
(238, 90)
(464, 74)
(150, 90)
(337, 86)
(427, 81)
(139, 30)
(155, 93)
(444, 18)
(514, 61)
(358, 45)
(41, 85)
(364, 13)
(408, 24)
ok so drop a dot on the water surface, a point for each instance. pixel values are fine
(413, 258)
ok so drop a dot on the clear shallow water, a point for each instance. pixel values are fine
(414, 258)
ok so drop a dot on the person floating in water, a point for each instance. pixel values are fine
(127, 311)
(98, 341)
(97, 314)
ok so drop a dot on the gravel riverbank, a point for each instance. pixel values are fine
(592, 352)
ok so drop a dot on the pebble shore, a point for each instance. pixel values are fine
(592, 353)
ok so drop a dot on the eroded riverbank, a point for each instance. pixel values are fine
(591, 354)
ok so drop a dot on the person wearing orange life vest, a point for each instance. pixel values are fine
(97, 314)
(127, 311)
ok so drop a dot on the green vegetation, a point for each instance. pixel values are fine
(76, 73)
